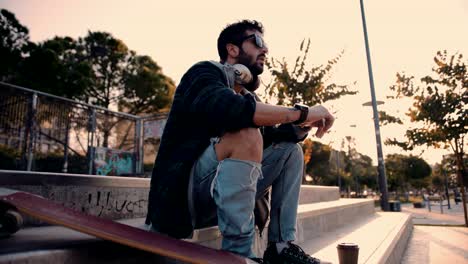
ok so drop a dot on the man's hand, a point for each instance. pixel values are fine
(319, 117)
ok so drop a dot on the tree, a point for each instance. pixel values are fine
(363, 171)
(418, 172)
(14, 41)
(395, 171)
(358, 167)
(134, 83)
(439, 110)
(56, 66)
(407, 171)
(337, 172)
(445, 172)
(300, 85)
(323, 169)
(147, 89)
(316, 157)
(109, 59)
(448, 166)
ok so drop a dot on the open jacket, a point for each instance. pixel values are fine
(204, 106)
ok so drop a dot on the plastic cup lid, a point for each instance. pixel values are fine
(348, 245)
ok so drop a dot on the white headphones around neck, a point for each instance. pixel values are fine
(242, 74)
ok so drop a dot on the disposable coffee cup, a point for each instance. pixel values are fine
(348, 253)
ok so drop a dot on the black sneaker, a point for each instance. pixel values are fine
(293, 254)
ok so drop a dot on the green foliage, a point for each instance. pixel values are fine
(405, 171)
(358, 167)
(14, 41)
(120, 76)
(53, 162)
(439, 107)
(324, 169)
(437, 182)
(56, 66)
(98, 69)
(316, 156)
(447, 168)
(109, 59)
(386, 119)
(147, 89)
(9, 158)
(362, 171)
(300, 85)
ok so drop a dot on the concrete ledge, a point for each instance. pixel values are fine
(34, 178)
(307, 210)
(108, 196)
(393, 247)
(105, 202)
(316, 194)
(381, 239)
(313, 220)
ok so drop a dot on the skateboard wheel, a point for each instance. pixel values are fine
(10, 222)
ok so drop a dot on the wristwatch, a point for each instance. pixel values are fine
(304, 112)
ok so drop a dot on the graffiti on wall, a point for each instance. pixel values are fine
(154, 129)
(111, 204)
(113, 162)
(106, 202)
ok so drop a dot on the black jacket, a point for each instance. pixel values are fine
(204, 107)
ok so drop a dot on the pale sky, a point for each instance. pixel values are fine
(404, 35)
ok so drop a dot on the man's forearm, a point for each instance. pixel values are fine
(269, 115)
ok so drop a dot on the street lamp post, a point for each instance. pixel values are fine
(381, 166)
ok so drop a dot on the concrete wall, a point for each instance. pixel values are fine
(104, 196)
(106, 202)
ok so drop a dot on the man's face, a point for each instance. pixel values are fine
(251, 55)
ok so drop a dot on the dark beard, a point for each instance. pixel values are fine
(246, 60)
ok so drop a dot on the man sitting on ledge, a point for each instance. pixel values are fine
(222, 149)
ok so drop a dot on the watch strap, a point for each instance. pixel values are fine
(304, 113)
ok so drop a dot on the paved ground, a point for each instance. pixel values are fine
(437, 238)
(422, 216)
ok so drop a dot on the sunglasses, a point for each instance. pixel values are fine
(258, 40)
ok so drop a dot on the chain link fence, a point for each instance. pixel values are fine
(43, 132)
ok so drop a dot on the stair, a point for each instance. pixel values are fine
(382, 238)
(324, 221)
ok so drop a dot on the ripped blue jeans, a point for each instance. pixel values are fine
(224, 193)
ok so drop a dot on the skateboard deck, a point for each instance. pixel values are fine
(12, 202)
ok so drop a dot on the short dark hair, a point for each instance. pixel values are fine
(232, 33)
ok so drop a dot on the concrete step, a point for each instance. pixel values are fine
(382, 239)
(111, 197)
(316, 193)
(317, 218)
(313, 220)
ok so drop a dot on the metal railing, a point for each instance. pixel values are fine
(44, 132)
